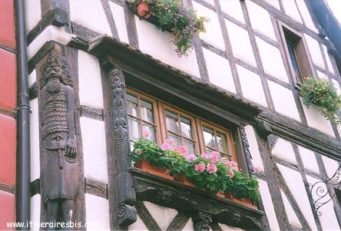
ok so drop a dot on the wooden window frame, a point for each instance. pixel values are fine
(160, 107)
(300, 51)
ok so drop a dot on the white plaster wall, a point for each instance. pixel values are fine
(158, 44)
(329, 63)
(84, 12)
(284, 101)
(272, 60)
(337, 86)
(291, 10)
(284, 150)
(162, 215)
(273, 3)
(309, 159)
(260, 20)
(229, 228)
(32, 14)
(296, 186)
(314, 50)
(251, 86)
(321, 75)
(94, 149)
(189, 226)
(90, 87)
(330, 165)
(306, 15)
(232, 8)
(32, 78)
(51, 32)
(240, 42)
(316, 120)
(213, 33)
(293, 220)
(219, 71)
(137, 225)
(35, 212)
(268, 205)
(253, 147)
(34, 142)
(120, 22)
(328, 218)
(97, 213)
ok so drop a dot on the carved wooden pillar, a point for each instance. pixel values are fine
(122, 180)
(245, 143)
(61, 169)
(201, 221)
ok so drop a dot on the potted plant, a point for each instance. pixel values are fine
(321, 93)
(206, 171)
(169, 15)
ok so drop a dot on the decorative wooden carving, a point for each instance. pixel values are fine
(125, 185)
(191, 201)
(201, 221)
(246, 146)
(60, 174)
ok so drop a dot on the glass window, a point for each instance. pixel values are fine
(141, 120)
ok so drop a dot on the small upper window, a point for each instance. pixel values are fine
(296, 54)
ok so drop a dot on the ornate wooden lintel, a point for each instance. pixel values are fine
(202, 207)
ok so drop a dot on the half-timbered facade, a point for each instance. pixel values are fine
(100, 78)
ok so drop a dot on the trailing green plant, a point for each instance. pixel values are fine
(207, 171)
(321, 93)
(181, 22)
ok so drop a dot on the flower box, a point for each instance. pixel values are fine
(169, 15)
(206, 172)
(149, 168)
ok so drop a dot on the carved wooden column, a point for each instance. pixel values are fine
(121, 181)
(61, 171)
(247, 153)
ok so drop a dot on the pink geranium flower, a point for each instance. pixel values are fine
(167, 145)
(214, 157)
(190, 157)
(181, 149)
(200, 167)
(205, 156)
(231, 174)
(212, 168)
(146, 133)
(231, 164)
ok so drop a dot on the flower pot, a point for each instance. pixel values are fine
(220, 195)
(242, 201)
(149, 168)
(184, 180)
(143, 10)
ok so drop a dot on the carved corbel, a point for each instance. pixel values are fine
(126, 195)
(201, 221)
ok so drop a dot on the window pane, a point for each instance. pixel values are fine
(132, 109)
(147, 111)
(222, 145)
(209, 138)
(148, 132)
(190, 146)
(171, 122)
(134, 129)
(186, 128)
(176, 139)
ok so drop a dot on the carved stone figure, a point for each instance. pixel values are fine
(60, 171)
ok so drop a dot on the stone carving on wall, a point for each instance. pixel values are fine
(121, 149)
(59, 179)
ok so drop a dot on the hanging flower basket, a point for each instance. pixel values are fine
(321, 93)
(206, 172)
(169, 15)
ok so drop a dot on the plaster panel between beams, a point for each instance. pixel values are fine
(97, 213)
